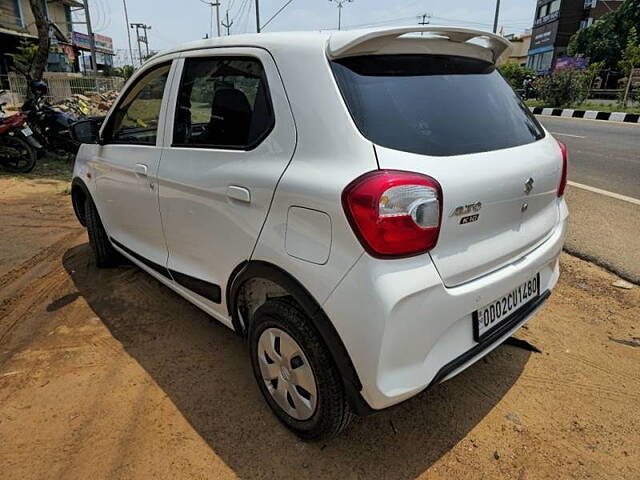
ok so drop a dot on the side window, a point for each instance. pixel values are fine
(135, 120)
(223, 102)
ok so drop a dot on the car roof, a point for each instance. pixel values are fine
(343, 43)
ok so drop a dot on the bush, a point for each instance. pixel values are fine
(563, 88)
(515, 73)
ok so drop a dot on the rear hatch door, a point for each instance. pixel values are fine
(454, 118)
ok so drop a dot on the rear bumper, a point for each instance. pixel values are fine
(405, 330)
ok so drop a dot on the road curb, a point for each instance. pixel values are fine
(619, 117)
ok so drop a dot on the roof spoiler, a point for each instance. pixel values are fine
(363, 42)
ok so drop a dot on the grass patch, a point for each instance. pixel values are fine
(48, 167)
(589, 106)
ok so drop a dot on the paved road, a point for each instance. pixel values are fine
(606, 156)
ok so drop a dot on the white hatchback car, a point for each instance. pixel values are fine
(374, 211)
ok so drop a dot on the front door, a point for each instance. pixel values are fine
(232, 138)
(127, 168)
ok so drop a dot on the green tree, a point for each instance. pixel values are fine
(631, 54)
(630, 60)
(515, 73)
(564, 88)
(606, 39)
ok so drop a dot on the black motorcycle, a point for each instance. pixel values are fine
(50, 126)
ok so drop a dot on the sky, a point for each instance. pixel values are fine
(178, 21)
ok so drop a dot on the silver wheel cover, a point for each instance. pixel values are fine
(287, 373)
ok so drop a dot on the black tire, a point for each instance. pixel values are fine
(332, 413)
(26, 158)
(105, 255)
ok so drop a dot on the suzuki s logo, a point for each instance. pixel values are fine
(528, 186)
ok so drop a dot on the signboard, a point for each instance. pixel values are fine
(103, 44)
(545, 35)
(579, 63)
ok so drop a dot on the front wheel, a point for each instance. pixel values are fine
(295, 371)
(16, 155)
(105, 255)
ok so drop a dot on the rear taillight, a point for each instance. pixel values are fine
(563, 178)
(394, 213)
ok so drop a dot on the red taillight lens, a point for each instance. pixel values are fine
(563, 178)
(394, 213)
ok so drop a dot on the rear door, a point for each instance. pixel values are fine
(230, 138)
(455, 119)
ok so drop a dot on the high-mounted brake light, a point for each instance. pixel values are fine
(394, 213)
(565, 159)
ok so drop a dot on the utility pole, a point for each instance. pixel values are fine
(228, 24)
(217, 5)
(92, 40)
(141, 39)
(340, 4)
(425, 19)
(126, 19)
(495, 20)
(257, 16)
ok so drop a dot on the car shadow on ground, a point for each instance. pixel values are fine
(203, 368)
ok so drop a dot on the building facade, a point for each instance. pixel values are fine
(65, 55)
(520, 47)
(555, 22)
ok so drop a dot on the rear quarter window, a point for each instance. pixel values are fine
(433, 104)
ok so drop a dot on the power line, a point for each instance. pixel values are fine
(276, 14)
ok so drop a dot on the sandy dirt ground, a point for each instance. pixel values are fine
(108, 374)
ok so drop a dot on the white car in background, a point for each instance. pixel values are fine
(373, 211)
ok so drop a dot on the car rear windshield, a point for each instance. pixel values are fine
(434, 104)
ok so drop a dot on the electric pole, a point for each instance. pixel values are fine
(258, 16)
(495, 21)
(340, 4)
(92, 40)
(425, 19)
(228, 24)
(126, 19)
(141, 39)
(217, 5)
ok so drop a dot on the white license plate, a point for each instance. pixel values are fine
(490, 316)
(27, 131)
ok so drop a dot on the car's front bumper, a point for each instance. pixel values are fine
(405, 330)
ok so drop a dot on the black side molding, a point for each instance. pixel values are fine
(208, 290)
(152, 265)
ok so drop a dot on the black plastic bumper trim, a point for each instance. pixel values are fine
(491, 337)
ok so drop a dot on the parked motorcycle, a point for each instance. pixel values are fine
(50, 126)
(18, 147)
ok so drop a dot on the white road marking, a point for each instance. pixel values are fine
(606, 193)
(568, 135)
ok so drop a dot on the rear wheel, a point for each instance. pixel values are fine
(106, 256)
(295, 371)
(16, 155)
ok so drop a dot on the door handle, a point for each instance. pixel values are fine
(141, 169)
(241, 194)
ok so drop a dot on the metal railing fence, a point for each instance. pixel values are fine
(61, 86)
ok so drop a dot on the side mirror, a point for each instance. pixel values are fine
(87, 131)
